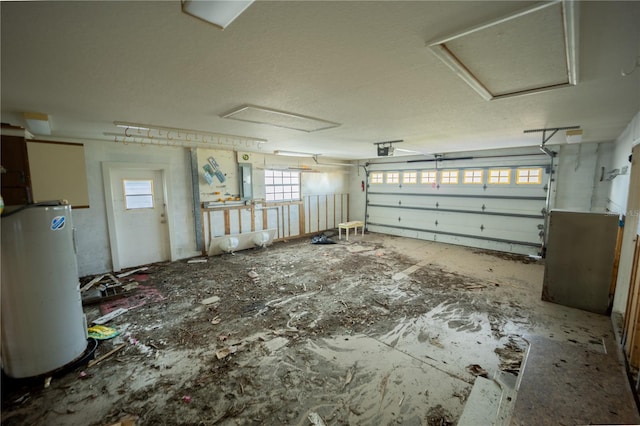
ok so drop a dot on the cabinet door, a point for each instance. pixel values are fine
(16, 180)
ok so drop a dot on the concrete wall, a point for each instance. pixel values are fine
(618, 198)
(578, 171)
(94, 253)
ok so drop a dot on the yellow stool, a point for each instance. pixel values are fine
(350, 225)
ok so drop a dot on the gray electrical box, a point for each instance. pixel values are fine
(246, 180)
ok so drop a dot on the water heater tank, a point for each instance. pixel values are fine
(43, 325)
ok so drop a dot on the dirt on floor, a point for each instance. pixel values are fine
(357, 332)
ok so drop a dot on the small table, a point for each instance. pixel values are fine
(350, 225)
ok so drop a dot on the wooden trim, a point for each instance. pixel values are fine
(206, 214)
(616, 264)
(227, 223)
(326, 211)
(265, 218)
(55, 142)
(309, 215)
(631, 311)
(301, 220)
(253, 217)
(240, 220)
(80, 207)
(334, 210)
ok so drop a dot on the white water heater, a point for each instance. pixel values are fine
(43, 325)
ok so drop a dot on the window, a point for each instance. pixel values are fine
(500, 176)
(472, 176)
(449, 176)
(393, 177)
(410, 177)
(376, 177)
(138, 194)
(281, 185)
(428, 177)
(529, 176)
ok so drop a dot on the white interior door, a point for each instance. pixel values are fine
(140, 218)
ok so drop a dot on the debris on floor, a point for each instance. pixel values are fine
(300, 334)
(321, 239)
(108, 317)
(100, 332)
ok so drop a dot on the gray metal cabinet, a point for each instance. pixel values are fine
(579, 259)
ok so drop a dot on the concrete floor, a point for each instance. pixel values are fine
(420, 314)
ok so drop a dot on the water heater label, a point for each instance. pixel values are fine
(57, 223)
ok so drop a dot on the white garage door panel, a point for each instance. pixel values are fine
(508, 217)
(479, 225)
(512, 206)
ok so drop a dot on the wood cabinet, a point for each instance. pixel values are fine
(16, 178)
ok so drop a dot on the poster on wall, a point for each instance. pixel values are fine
(208, 173)
(216, 169)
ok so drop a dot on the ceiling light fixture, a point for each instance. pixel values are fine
(219, 13)
(37, 123)
(272, 117)
(294, 154)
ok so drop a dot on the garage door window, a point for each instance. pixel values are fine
(428, 177)
(410, 177)
(473, 176)
(393, 177)
(500, 176)
(376, 177)
(281, 185)
(529, 176)
(449, 176)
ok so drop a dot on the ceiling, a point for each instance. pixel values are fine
(364, 65)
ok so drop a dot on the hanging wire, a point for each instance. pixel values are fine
(635, 67)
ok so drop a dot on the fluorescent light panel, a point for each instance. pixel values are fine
(272, 117)
(37, 123)
(294, 154)
(219, 13)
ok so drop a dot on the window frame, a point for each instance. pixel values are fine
(128, 196)
(430, 174)
(395, 179)
(406, 177)
(279, 187)
(450, 174)
(376, 178)
(508, 182)
(529, 169)
(466, 180)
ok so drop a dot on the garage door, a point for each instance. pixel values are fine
(495, 203)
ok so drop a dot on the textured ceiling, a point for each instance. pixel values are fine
(365, 65)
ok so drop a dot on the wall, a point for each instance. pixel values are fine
(618, 198)
(94, 253)
(357, 200)
(577, 180)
